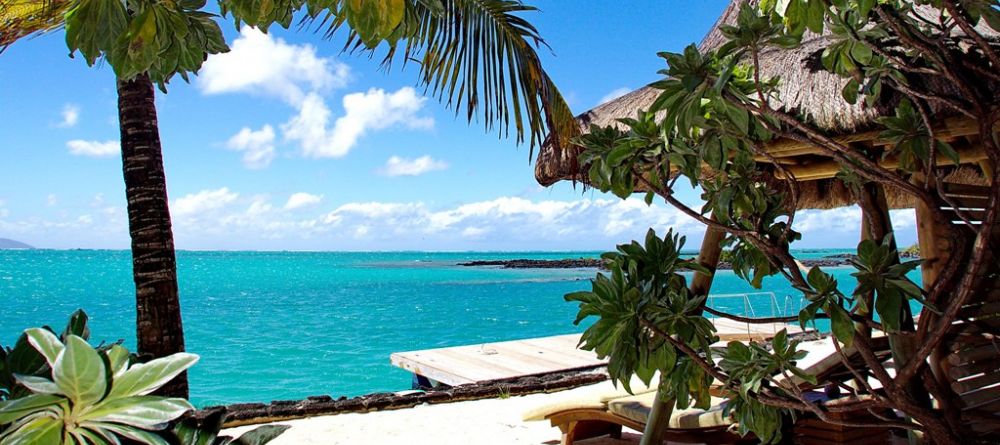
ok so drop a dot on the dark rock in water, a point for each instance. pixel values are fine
(841, 256)
(11, 244)
(828, 262)
(568, 263)
(571, 263)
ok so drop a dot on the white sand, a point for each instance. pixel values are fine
(486, 422)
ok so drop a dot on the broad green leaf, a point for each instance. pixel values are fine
(145, 378)
(261, 435)
(93, 27)
(889, 306)
(46, 343)
(145, 412)
(136, 434)
(841, 325)
(948, 151)
(77, 325)
(12, 410)
(38, 385)
(190, 431)
(79, 372)
(850, 91)
(780, 341)
(25, 359)
(96, 437)
(42, 430)
(118, 359)
(908, 287)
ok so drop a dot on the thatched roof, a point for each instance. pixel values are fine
(805, 89)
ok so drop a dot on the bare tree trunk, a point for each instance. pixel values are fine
(158, 313)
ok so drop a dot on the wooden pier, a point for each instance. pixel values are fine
(534, 356)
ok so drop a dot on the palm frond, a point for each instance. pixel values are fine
(480, 56)
(22, 18)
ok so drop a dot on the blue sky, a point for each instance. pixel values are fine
(285, 143)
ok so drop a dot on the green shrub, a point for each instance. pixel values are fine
(61, 390)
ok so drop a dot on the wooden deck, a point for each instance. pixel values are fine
(495, 361)
(518, 358)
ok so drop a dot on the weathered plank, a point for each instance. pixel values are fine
(496, 361)
(535, 356)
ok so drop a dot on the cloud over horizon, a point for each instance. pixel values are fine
(226, 219)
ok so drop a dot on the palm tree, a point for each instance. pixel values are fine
(479, 52)
(159, 330)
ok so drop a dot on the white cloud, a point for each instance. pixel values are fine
(258, 63)
(206, 200)
(98, 200)
(397, 166)
(70, 116)
(95, 149)
(257, 146)
(474, 232)
(844, 219)
(371, 110)
(51, 200)
(614, 94)
(302, 199)
(225, 219)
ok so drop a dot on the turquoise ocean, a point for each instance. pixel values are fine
(286, 325)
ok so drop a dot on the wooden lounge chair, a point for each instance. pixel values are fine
(584, 419)
(587, 417)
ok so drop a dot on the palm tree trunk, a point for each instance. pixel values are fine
(154, 267)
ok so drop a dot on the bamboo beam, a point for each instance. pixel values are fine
(950, 128)
(829, 169)
(659, 416)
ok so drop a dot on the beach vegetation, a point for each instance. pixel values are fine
(913, 63)
(503, 392)
(58, 389)
(91, 396)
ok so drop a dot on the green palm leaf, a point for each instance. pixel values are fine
(480, 55)
(22, 18)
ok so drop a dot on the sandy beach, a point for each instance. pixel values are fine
(486, 422)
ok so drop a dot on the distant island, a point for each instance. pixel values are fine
(574, 263)
(11, 244)
(568, 263)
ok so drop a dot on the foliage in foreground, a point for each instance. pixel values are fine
(61, 390)
(711, 124)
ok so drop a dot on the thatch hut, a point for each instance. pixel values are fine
(807, 90)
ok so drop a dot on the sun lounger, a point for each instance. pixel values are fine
(603, 413)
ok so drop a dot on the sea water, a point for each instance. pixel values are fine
(287, 325)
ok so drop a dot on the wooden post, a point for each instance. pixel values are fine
(659, 415)
(932, 239)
